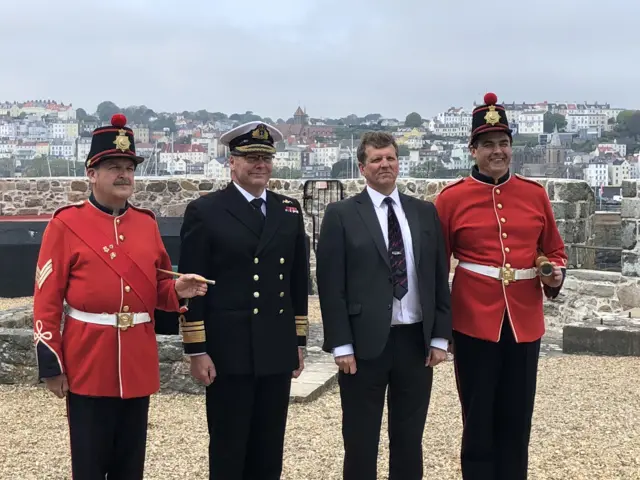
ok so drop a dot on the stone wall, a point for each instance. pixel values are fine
(630, 213)
(573, 201)
(607, 232)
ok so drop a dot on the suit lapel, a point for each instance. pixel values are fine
(366, 210)
(238, 206)
(275, 213)
(411, 212)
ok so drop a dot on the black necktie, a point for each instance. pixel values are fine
(397, 257)
(257, 204)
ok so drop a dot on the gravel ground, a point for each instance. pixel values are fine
(586, 426)
(6, 303)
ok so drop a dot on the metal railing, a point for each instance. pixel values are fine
(594, 257)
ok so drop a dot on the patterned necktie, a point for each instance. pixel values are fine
(397, 257)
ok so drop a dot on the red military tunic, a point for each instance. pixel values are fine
(100, 263)
(500, 226)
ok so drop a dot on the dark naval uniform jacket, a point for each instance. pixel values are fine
(255, 316)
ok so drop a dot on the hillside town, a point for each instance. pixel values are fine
(591, 141)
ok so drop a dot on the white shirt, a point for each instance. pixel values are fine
(407, 310)
(250, 197)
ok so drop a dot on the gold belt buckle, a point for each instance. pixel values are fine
(507, 275)
(125, 320)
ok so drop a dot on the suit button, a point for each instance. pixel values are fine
(503, 219)
(282, 260)
(500, 206)
(118, 221)
(498, 191)
(281, 276)
(256, 294)
(504, 235)
(127, 289)
(282, 294)
(281, 311)
(255, 311)
(256, 278)
(506, 249)
(121, 237)
(255, 260)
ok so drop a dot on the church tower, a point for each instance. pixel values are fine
(556, 153)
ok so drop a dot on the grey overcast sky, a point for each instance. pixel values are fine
(336, 57)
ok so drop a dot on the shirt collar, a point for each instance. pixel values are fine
(107, 210)
(475, 173)
(378, 198)
(250, 196)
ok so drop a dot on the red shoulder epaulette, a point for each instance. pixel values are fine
(530, 180)
(144, 210)
(449, 185)
(64, 207)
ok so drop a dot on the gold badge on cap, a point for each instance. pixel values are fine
(122, 141)
(260, 133)
(492, 115)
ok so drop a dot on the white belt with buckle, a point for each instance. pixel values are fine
(118, 320)
(506, 273)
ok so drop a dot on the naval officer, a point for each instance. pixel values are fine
(245, 337)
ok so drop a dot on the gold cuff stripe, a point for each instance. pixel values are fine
(192, 329)
(191, 324)
(301, 331)
(301, 317)
(193, 337)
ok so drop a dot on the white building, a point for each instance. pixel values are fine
(619, 170)
(597, 174)
(326, 155)
(530, 122)
(583, 121)
(62, 149)
(181, 151)
(217, 170)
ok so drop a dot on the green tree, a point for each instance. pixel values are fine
(413, 120)
(106, 110)
(551, 120)
(403, 151)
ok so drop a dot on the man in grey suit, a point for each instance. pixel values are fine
(383, 285)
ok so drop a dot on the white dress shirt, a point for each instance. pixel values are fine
(250, 197)
(407, 310)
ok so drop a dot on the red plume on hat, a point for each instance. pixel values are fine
(490, 99)
(118, 120)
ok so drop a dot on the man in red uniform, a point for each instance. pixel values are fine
(497, 224)
(97, 269)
